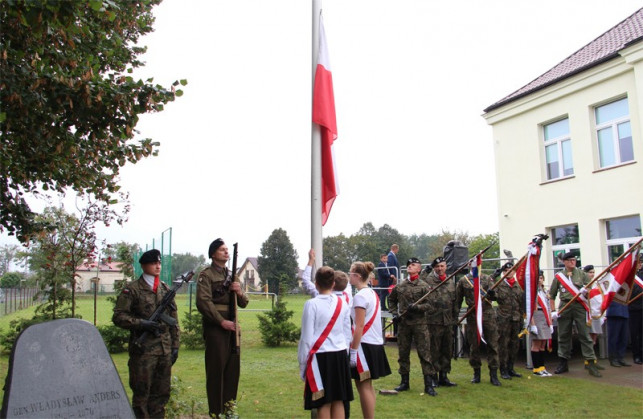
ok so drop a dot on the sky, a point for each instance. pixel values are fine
(411, 79)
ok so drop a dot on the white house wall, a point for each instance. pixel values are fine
(528, 203)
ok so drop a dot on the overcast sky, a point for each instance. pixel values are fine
(411, 79)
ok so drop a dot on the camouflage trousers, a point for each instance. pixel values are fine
(406, 335)
(490, 335)
(508, 341)
(441, 338)
(149, 379)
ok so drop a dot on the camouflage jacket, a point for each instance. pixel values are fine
(511, 302)
(464, 291)
(137, 302)
(403, 295)
(442, 307)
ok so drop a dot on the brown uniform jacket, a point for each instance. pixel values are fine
(442, 307)
(136, 302)
(212, 298)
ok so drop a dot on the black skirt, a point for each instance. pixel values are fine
(376, 360)
(334, 369)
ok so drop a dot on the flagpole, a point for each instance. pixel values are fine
(315, 178)
(602, 274)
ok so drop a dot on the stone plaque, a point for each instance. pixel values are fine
(61, 369)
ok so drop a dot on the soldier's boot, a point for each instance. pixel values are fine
(504, 373)
(591, 366)
(404, 384)
(511, 371)
(562, 366)
(493, 376)
(429, 385)
(444, 380)
(476, 376)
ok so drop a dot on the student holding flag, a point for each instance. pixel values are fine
(569, 282)
(541, 329)
(367, 356)
(465, 290)
(323, 349)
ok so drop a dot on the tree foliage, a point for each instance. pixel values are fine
(12, 279)
(278, 262)
(275, 326)
(69, 102)
(184, 262)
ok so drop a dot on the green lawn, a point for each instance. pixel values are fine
(270, 386)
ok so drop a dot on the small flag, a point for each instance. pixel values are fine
(477, 298)
(620, 278)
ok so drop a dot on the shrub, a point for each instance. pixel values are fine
(115, 338)
(192, 331)
(274, 325)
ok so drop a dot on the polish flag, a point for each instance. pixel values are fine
(527, 277)
(324, 116)
(620, 278)
(477, 298)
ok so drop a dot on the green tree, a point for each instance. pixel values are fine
(11, 280)
(8, 253)
(275, 326)
(184, 262)
(69, 103)
(337, 252)
(278, 262)
(481, 241)
(123, 252)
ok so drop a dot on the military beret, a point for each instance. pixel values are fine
(588, 268)
(214, 246)
(569, 255)
(437, 260)
(507, 265)
(413, 260)
(150, 256)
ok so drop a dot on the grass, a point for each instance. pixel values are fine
(270, 386)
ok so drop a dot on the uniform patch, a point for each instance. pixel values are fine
(200, 279)
(126, 291)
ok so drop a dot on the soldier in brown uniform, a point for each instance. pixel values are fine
(510, 313)
(441, 317)
(150, 366)
(213, 298)
(464, 291)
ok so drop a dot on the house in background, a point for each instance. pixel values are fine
(249, 275)
(567, 150)
(107, 274)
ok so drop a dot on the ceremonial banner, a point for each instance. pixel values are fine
(477, 298)
(620, 280)
(527, 277)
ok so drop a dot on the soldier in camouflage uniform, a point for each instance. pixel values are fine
(213, 300)
(464, 291)
(441, 317)
(150, 366)
(412, 326)
(510, 314)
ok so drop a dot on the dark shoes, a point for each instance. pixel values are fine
(622, 363)
(638, 361)
(493, 376)
(591, 367)
(444, 381)
(504, 374)
(562, 367)
(404, 385)
(613, 363)
(429, 385)
(476, 376)
(511, 371)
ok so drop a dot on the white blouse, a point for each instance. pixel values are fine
(366, 299)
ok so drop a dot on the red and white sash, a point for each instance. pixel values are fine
(571, 288)
(312, 367)
(544, 307)
(362, 366)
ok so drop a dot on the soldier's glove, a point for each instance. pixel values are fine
(551, 329)
(150, 326)
(413, 308)
(554, 315)
(533, 329)
(353, 357)
(491, 294)
(175, 355)
(396, 319)
(583, 292)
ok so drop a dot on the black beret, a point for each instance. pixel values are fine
(413, 260)
(150, 256)
(437, 260)
(214, 246)
(507, 265)
(569, 255)
(588, 268)
(541, 272)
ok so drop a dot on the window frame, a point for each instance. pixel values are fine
(626, 242)
(558, 142)
(613, 125)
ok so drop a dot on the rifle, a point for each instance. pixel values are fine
(160, 314)
(232, 305)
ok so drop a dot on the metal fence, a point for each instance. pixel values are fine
(14, 299)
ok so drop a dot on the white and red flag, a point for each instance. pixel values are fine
(324, 116)
(477, 297)
(620, 278)
(527, 277)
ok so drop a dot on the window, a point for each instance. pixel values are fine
(564, 239)
(558, 149)
(621, 233)
(614, 133)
